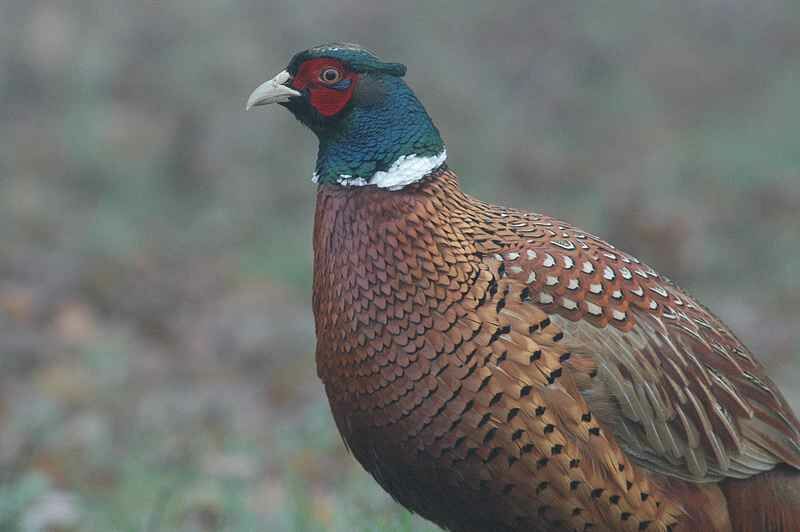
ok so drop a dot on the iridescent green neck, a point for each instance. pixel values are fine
(385, 134)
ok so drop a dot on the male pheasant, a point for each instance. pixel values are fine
(499, 370)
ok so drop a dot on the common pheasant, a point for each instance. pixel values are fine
(499, 370)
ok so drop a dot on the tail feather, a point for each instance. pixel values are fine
(768, 502)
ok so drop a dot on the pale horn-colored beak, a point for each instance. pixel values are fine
(272, 91)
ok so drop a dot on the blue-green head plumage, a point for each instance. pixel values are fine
(368, 121)
(358, 58)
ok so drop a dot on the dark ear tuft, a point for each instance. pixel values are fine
(395, 69)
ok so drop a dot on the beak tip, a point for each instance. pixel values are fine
(253, 101)
(272, 91)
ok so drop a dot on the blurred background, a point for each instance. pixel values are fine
(156, 336)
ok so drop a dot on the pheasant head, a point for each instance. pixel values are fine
(372, 129)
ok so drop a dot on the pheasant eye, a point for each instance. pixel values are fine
(330, 75)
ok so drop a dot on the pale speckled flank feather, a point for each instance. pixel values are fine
(683, 395)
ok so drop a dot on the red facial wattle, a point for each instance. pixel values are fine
(327, 98)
